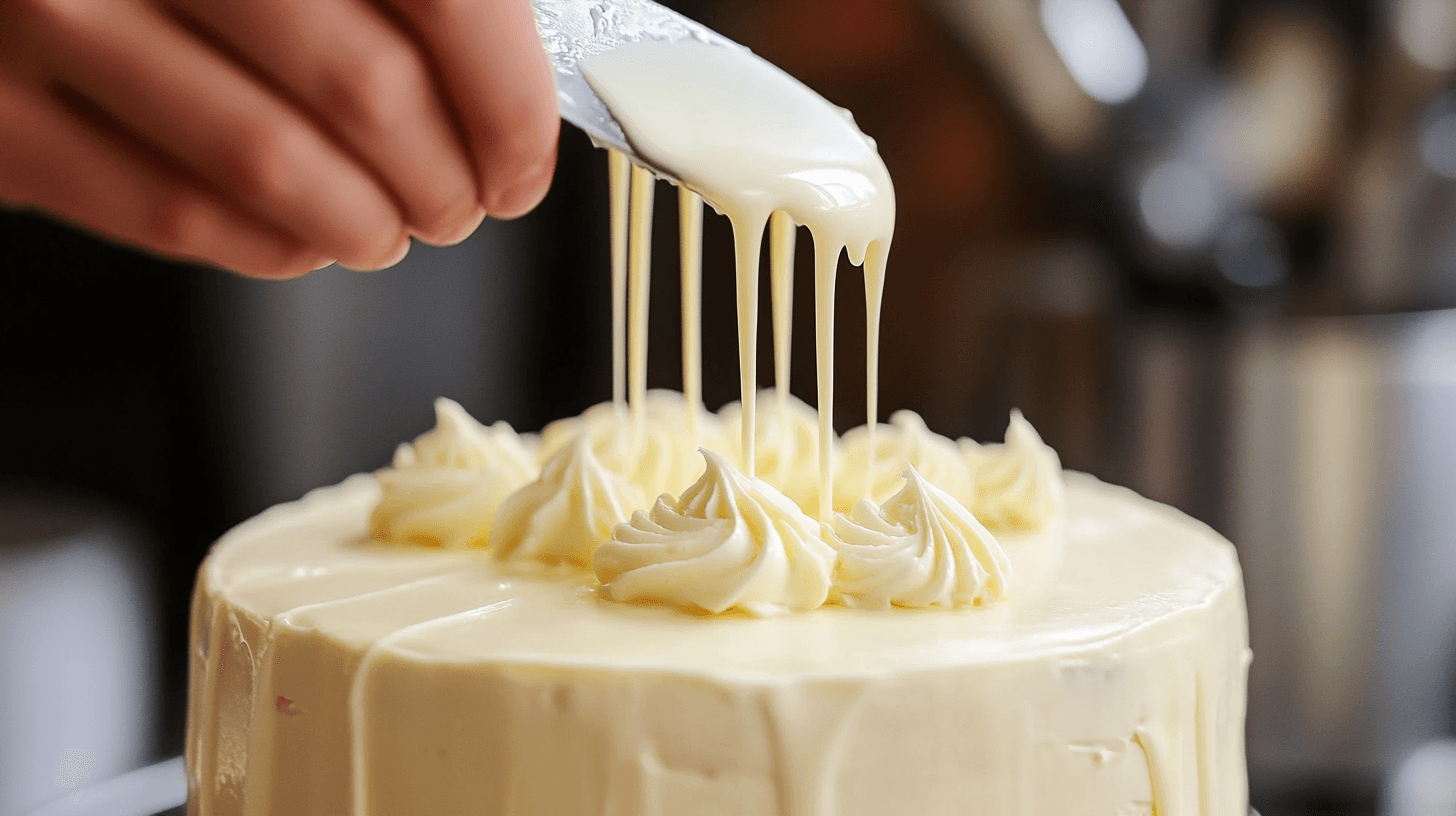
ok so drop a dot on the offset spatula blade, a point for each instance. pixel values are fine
(573, 30)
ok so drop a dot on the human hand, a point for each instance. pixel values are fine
(275, 136)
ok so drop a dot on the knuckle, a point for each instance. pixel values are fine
(42, 14)
(178, 223)
(372, 93)
(519, 152)
(525, 140)
(432, 10)
(260, 163)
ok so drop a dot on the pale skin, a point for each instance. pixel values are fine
(273, 137)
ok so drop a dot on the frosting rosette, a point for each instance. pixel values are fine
(1019, 482)
(786, 445)
(730, 541)
(443, 490)
(904, 441)
(659, 456)
(566, 513)
(922, 548)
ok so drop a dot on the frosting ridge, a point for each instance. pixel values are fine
(659, 456)
(786, 449)
(566, 513)
(905, 440)
(921, 548)
(443, 490)
(1018, 484)
(730, 541)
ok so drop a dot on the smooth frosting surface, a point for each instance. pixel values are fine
(336, 674)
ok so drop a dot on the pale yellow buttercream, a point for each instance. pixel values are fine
(922, 548)
(1018, 483)
(443, 490)
(730, 541)
(333, 674)
(566, 513)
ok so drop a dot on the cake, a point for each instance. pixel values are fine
(370, 650)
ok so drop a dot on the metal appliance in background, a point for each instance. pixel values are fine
(1340, 476)
(1325, 448)
(1269, 229)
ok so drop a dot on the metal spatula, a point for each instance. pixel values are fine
(573, 30)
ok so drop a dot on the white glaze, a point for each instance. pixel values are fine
(772, 149)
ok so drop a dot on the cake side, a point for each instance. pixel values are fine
(414, 680)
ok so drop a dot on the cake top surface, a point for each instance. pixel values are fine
(1113, 566)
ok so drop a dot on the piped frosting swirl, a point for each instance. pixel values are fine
(1019, 482)
(922, 548)
(729, 541)
(786, 448)
(659, 456)
(905, 441)
(566, 513)
(444, 489)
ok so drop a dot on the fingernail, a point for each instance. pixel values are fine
(524, 195)
(396, 257)
(465, 231)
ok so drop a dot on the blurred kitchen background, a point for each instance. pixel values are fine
(1208, 246)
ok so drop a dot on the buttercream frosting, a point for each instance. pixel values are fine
(566, 513)
(443, 490)
(922, 548)
(1018, 483)
(787, 449)
(659, 455)
(729, 542)
(906, 441)
(331, 675)
(771, 151)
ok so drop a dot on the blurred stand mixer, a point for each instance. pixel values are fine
(1209, 247)
(1248, 310)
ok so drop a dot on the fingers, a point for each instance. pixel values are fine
(495, 73)
(58, 161)
(366, 83)
(175, 93)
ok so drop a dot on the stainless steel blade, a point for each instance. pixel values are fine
(573, 30)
